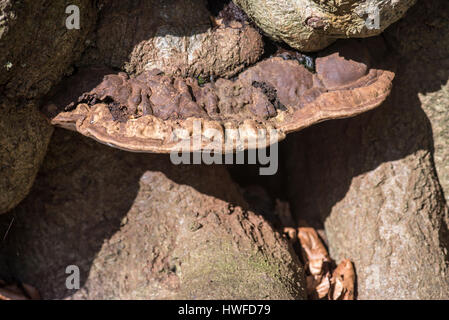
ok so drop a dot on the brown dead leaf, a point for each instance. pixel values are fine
(317, 262)
(343, 281)
(321, 281)
(318, 286)
(291, 234)
(313, 251)
(18, 292)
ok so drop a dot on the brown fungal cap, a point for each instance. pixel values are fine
(154, 112)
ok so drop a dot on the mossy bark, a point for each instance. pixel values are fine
(139, 227)
(36, 47)
(24, 136)
(176, 37)
(36, 51)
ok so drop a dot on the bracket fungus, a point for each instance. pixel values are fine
(154, 112)
(311, 25)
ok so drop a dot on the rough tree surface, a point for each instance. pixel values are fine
(426, 48)
(310, 25)
(372, 179)
(140, 227)
(24, 135)
(36, 50)
(176, 37)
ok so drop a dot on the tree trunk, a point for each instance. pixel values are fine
(139, 227)
(36, 51)
(372, 179)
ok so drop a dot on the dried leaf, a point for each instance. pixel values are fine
(317, 262)
(314, 252)
(343, 282)
(31, 292)
(322, 288)
(291, 234)
(318, 286)
(18, 292)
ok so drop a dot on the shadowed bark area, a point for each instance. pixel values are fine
(422, 41)
(36, 51)
(139, 227)
(36, 48)
(24, 136)
(372, 181)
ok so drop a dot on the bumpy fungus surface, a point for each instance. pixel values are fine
(311, 25)
(154, 112)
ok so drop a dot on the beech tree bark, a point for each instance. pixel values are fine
(372, 181)
(422, 41)
(139, 227)
(36, 51)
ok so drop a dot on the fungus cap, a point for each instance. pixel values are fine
(157, 113)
